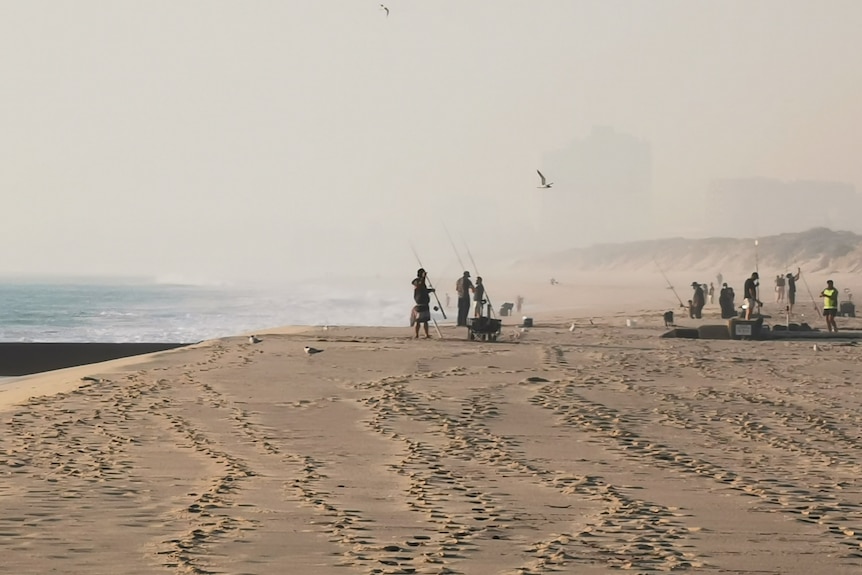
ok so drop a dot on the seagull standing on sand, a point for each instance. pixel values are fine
(385, 9)
(311, 350)
(254, 339)
(545, 183)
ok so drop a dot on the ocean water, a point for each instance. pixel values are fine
(148, 312)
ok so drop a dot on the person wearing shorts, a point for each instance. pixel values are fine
(751, 294)
(830, 305)
(478, 297)
(421, 313)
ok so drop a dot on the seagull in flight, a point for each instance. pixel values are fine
(545, 183)
(385, 9)
(312, 350)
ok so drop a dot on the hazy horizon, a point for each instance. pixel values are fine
(223, 141)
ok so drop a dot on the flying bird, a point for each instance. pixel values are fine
(254, 339)
(385, 9)
(311, 350)
(545, 183)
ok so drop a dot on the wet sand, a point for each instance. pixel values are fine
(17, 358)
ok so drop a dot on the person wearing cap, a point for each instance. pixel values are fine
(463, 286)
(478, 297)
(791, 288)
(697, 301)
(830, 305)
(421, 313)
(750, 291)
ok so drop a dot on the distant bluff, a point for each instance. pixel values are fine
(818, 250)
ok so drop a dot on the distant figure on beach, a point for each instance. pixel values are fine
(719, 279)
(779, 288)
(697, 301)
(711, 293)
(463, 286)
(447, 300)
(519, 303)
(478, 297)
(725, 300)
(750, 290)
(791, 288)
(421, 314)
(830, 305)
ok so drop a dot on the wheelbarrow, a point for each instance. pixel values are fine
(483, 328)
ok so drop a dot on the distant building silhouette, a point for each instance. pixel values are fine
(764, 206)
(602, 191)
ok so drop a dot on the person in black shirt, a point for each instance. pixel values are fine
(725, 300)
(697, 301)
(791, 288)
(421, 311)
(750, 290)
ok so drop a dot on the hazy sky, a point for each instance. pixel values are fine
(210, 139)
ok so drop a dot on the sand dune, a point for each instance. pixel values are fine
(818, 251)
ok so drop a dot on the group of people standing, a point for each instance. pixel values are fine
(785, 291)
(785, 288)
(464, 287)
(698, 300)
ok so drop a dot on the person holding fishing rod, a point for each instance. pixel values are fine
(421, 314)
(463, 286)
(750, 289)
(791, 288)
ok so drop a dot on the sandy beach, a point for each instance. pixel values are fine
(588, 450)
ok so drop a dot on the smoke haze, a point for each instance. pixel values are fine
(271, 141)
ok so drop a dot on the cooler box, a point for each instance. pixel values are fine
(745, 328)
(847, 309)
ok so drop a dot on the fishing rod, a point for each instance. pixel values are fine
(434, 291)
(487, 297)
(757, 269)
(756, 261)
(811, 295)
(457, 255)
(669, 285)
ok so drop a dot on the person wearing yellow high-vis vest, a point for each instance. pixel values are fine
(830, 305)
